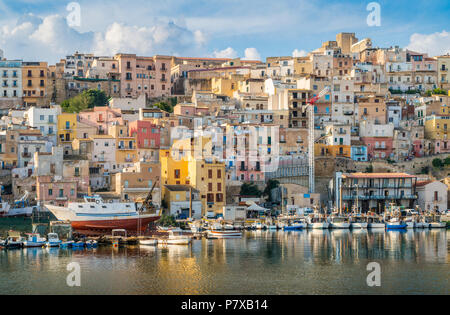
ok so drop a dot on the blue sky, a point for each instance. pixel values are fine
(37, 29)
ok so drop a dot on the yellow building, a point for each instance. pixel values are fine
(34, 83)
(437, 127)
(323, 149)
(184, 164)
(225, 86)
(126, 150)
(67, 128)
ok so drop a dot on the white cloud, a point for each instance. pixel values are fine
(50, 38)
(251, 54)
(225, 53)
(434, 44)
(299, 53)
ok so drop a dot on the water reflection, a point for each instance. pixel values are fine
(262, 262)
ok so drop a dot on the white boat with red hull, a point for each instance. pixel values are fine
(94, 215)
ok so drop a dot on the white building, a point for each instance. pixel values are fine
(11, 82)
(432, 195)
(104, 151)
(44, 119)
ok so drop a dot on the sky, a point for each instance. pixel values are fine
(48, 30)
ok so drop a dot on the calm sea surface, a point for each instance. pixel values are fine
(262, 262)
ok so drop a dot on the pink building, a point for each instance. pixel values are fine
(441, 146)
(55, 192)
(144, 75)
(418, 148)
(378, 147)
(146, 133)
(102, 117)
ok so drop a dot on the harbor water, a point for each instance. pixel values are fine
(261, 262)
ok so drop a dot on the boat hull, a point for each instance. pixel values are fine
(129, 224)
(29, 244)
(410, 225)
(391, 226)
(359, 225)
(227, 234)
(150, 242)
(342, 225)
(319, 225)
(376, 226)
(295, 227)
(436, 225)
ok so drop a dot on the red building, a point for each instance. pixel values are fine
(378, 147)
(148, 139)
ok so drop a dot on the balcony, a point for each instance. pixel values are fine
(26, 154)
(128, 160)
(163, 80)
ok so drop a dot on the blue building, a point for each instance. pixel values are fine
(359, 152)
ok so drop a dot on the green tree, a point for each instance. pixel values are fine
(164, 106)
(447, 160)
(271, 184)
(250, 189)
(437, 163)
(85, 100)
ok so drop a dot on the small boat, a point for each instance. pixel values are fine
(176, 237)
(358, 221)
(13, 242)
(339, 222)
(272, 227)
(228, 227)
(34, 240)
(53, 240)
(65, 245)
(224, 234)
(238, 226)
(396, 224)
(216, 227)
(375, 222)
(318, 222)
(148, 242)
(435, 221)
(91, 244)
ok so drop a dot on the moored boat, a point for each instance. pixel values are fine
(224, 234)
(34, 240)
(53, 240)
(95, 215)
(339, 222)
(148, 242)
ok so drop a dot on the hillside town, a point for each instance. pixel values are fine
(348, 125)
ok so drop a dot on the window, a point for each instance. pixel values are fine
(50, 192)
(219, 174)
(210, 186)
(177, 173)
(209, 173)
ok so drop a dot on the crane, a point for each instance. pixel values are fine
(147, 203)
(310, 107)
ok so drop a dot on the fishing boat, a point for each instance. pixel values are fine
(148, 242)
(435, 221)
(216, 227)
(228, 227)
(298, 224)
(95, 215)
(358, 221)
(374, 221)
(34, 240)
(14, 242)
(91, 244)
(272, 226)
(177, 237)
(317, 221)
(53, 240)
(224, 234)
(339, 221)
(20, 208)
(396, 224)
